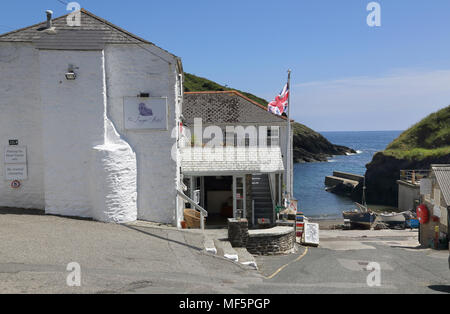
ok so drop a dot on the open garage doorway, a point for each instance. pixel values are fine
(218, 199)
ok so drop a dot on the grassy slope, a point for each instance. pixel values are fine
(428, 138)
(194, 83)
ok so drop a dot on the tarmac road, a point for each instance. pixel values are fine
(340, 265)
(35, 251)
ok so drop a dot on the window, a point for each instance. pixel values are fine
(230, 138)
(273, 136)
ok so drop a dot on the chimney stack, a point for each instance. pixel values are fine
(49, 18)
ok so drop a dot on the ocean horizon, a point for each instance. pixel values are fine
(309, 178)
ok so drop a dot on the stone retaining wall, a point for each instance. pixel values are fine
(238, 232)
(278, 240)
(271, 244)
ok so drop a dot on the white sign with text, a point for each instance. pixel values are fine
(145, 113)
(16, 163)
(15, 155)
(16, 172)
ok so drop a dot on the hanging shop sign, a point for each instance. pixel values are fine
(145, 113)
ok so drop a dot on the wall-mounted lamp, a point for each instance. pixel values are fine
(71, 75)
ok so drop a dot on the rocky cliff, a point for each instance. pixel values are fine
(310, 146)
(424, 144)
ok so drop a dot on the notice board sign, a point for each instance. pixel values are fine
(425, 186)
(145, 113)
(15, 162)
(311, 234)
(16, 172)
(15, 155)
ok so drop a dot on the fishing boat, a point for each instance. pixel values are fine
(360, 218)
(393, 219)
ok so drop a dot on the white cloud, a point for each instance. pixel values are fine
(392, 102)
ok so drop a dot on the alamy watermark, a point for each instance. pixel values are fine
(374, 278)
(374, 17)
(74, 277)
(74, 18)
(232, 143)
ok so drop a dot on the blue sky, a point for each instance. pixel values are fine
(346, 75)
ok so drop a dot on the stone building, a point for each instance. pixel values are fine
(435, 195)
(88, 122)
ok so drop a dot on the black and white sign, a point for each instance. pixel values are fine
(15, 155)
(16, 163)
(145, 113)
(16, 172)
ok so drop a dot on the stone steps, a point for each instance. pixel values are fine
(262, 197)
(223, 248)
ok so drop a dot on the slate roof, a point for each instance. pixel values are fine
(230, 160)
(442, 173)
(225, 107)
(93, 33)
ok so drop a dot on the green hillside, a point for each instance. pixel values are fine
(428, 138)
(193, 83)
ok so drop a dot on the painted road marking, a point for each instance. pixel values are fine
(286, 265)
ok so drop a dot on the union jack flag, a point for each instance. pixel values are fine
(279, 105)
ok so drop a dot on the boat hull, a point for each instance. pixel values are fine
(360, 220)
(393, 220)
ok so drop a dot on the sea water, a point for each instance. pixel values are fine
(309, 178)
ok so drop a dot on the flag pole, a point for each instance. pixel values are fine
(289, 156)
(288, 153)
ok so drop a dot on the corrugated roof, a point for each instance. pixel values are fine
(230, 160)
(93, 33)
(442, 173)
(225, 107)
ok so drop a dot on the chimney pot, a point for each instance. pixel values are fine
(49, 18)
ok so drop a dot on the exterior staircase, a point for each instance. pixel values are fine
(262, 197)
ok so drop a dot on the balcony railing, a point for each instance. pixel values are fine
(414, 176)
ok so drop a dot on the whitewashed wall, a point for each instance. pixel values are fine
(20, 118)
(81, 161)
(131, 70)
(73, 123)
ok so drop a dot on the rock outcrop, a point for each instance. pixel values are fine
(382, 175)
(424, 144)
(310, 146)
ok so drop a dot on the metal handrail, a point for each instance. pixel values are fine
(414, 176)
(272, 194)
(203, 212)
